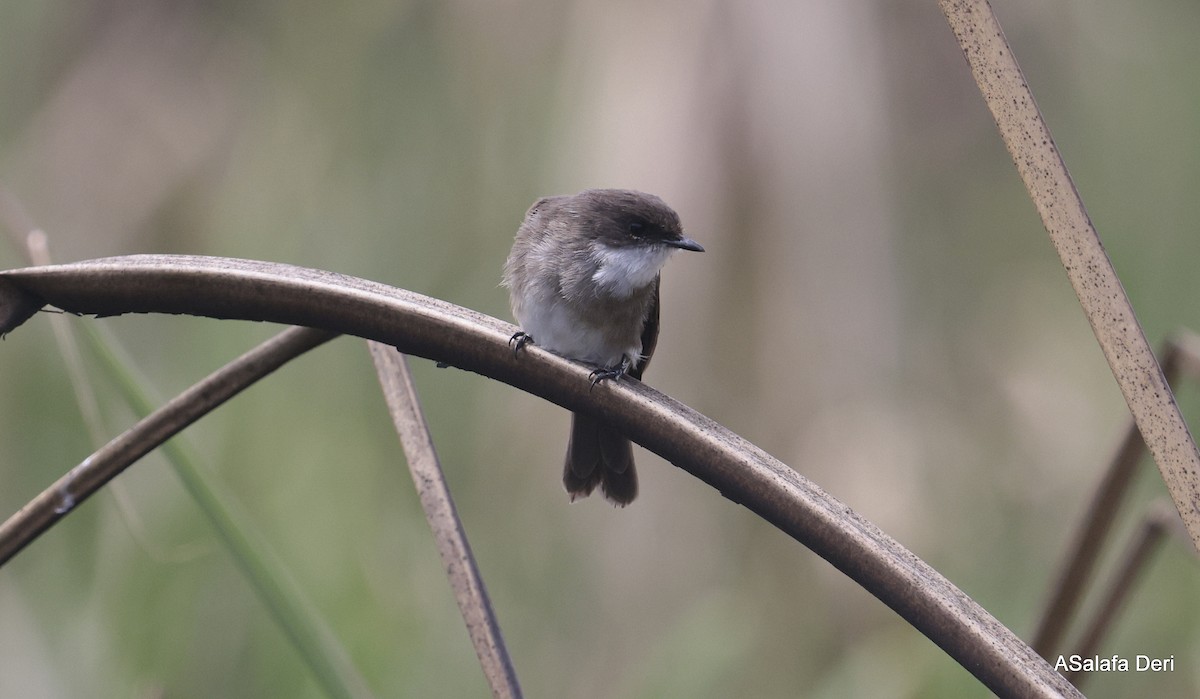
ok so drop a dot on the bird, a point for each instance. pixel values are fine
(583, 279)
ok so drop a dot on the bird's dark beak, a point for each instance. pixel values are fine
(685, 244)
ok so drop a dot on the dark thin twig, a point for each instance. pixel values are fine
(102, 466)
(1089, 542)
(448, 532)
(1180, 358)
(328, 662)
(1134, 562)
(421, 326)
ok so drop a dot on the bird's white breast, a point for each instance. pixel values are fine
(555, 326)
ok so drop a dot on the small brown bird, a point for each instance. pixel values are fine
(583, 278)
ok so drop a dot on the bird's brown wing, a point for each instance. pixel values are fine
(649, 333)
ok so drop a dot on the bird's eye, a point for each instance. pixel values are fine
(635, 228)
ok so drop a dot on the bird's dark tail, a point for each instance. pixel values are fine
(599, 455)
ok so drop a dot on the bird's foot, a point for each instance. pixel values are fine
(612, 372)
(518, 341)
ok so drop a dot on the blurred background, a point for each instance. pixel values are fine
(878, 306)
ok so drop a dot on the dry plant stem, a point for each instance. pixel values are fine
(102, 466)
(1134, 562)
(1093, 532)
(38, 252)
(1089, 542)
(434, 329)
(448, 533)
(1091, 273)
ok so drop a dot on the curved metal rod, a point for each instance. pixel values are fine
(434, 329)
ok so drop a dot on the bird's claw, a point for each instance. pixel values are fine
(518, 341)
(612, 372)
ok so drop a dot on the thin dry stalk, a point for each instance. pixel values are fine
(1180, 360)
(1134, 562)
(1091, 273)
(448, 533)
(1089, 542)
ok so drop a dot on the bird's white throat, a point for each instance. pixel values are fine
(624, 270)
